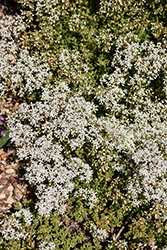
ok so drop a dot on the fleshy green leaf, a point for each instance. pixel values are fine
(4, 139)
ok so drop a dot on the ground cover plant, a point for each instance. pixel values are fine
(91, 80)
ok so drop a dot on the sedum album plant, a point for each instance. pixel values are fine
(70, 121)
(92, 127)
(21, 73)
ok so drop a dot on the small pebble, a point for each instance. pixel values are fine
(9, 171)
(9, 166)
(3, 181)
(9, 200)
(10, 188)
(1, 151)
(4, 156)
(2, 196)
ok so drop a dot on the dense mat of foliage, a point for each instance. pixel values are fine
(91, 78)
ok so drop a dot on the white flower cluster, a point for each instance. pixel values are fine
(44, 10)
(52, 123)
(47, 246)
(88, 195)
(76, 23)
(12, 227)
(104, 39)
(120, 244)
(147, 61)
(112, 93)
(50, 10)
(152, 247)
(116, 136)
(152, 184)
(123, 245)
(144, 137)
(71, 68)
(100, 234)
(52, 198)
(149, 168)
(11, 26)
(48, 14)
(108, 7)
(20, 71)
(10, 44)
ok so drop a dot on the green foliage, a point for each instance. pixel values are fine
(3, 139)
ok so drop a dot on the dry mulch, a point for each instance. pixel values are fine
(7, 10)
(12, 188)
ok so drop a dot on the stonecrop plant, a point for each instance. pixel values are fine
(91, 80)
